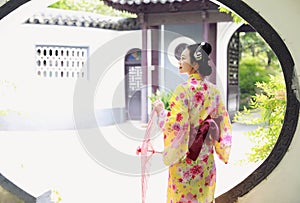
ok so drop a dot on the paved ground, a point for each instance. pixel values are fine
(39, 161)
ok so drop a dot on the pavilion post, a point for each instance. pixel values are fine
(144, 63)
(155, 56)
(205, 23)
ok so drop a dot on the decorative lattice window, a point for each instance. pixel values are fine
(134, 79)
(61, 61)
(233, 60)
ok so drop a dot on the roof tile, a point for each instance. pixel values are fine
(82, 19)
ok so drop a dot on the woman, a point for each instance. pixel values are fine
(192, 102)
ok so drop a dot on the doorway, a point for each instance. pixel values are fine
(133, 84)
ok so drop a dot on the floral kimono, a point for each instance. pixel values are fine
(191, 103)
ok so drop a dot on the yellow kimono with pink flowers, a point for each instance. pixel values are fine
(191, 103)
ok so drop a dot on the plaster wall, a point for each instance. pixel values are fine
(47, 103)
(225, 30)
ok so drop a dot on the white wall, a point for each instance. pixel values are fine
(111, 84)
(47, 103)
(225, 30)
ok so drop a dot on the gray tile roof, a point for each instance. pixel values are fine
(161, 6)
(82, 19)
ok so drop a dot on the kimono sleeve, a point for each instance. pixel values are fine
(223, 146)
(175, 126)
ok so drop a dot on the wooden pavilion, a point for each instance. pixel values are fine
(201, 16)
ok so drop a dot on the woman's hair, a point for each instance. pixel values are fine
(199, 53)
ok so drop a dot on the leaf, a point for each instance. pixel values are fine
(163, 96)
(271, 108)
(236, 18)
(93, 6)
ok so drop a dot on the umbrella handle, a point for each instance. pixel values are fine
(139, 151)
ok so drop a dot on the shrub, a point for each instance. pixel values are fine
(270, 105)
(251, 70)
(163, 96)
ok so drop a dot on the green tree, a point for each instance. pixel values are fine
(262, 94)
(257, 61)
(252, 44)
(251, 66)
(93, 6)
(235, 17)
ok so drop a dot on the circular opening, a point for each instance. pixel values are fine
(291, 118)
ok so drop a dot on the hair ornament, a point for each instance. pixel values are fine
(198, 53)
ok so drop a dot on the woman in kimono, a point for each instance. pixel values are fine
(192, 102)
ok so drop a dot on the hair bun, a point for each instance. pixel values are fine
(202, 51)
(206, 47)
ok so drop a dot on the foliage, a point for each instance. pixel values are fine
(252, 44)
(93, 6)
(235, 17)
(256, 60)
(270, 105)
(163, 96)
(55, 196)
(251, 66)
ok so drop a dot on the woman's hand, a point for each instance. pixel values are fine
(158, 106)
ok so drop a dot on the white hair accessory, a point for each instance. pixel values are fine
(198, 53)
